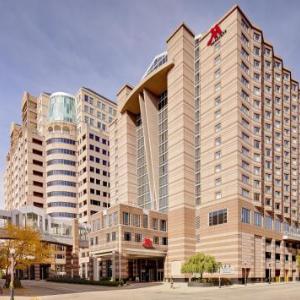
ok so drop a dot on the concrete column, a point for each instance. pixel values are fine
(104, 268)
(113, 266)
(273, 258)
(181, 149)
(95, 269)
(126, 161)
(69, 261)
(282, 260)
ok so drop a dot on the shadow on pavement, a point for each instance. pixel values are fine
(44, 288)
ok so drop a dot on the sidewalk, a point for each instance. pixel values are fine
(183, 285)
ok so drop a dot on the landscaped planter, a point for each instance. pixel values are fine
(200, 284)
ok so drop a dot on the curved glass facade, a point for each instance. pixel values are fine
(62, 108)
(158, 60)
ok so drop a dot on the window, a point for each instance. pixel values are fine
(218, 195)
(164, 241)
(245, 25)
(145, 221)
(127, 236)
(245, 39)
(268, 222)
(245, 67)
(218, 181)
(256, 51)
(218, 100)
(218, 168)
(256, 64)
(218, 155)
(256, 195)
(245, 193)
(267, 51)
(245, 165)
(244, 54)
(256, 170)
(256, 36)
(245, 81)
(138, 237)
(126, 218)
(218, 217)
(245, 179)
(217, 87)
(277, 225)
(245, 96)
(256, 76)
(257, 219)
(218, 127)
(217, 59)
(218, 113)
(136, 220)
(256, 91)
(245, 151)
(163, 225)
(245, 137)
(155, 223)
(218, 141)
(245, 215)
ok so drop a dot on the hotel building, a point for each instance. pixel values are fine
(58, 157)
(208, 144)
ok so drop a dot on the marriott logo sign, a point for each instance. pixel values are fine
(215, 34)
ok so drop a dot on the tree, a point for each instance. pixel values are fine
(200, 263)
(29, 249)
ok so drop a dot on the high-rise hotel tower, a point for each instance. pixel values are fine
(205, 157)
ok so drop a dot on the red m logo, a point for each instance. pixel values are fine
(215, 32)
(147, 243)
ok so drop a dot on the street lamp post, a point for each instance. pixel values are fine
(245, 273)
(12, 272)
(220, 276)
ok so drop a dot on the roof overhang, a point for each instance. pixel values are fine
(130, 252)
(155, 82)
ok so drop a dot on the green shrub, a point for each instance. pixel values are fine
(77, 280)
(213, 281)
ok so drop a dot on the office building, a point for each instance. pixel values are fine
(58, 157)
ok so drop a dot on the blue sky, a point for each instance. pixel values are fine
(61, 45)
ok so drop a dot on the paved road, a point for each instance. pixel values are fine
(54, 291)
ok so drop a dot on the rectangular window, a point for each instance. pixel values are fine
(138, 237)
(268, 223)
(277, 225)
(126, 218)
(218, 217)
(155, 224)
(257, 219)
(145, 221)
(163, 225)
(127, 236)
(245, 217)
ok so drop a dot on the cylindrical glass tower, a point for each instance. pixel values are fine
(61, 157)
(62, 108)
